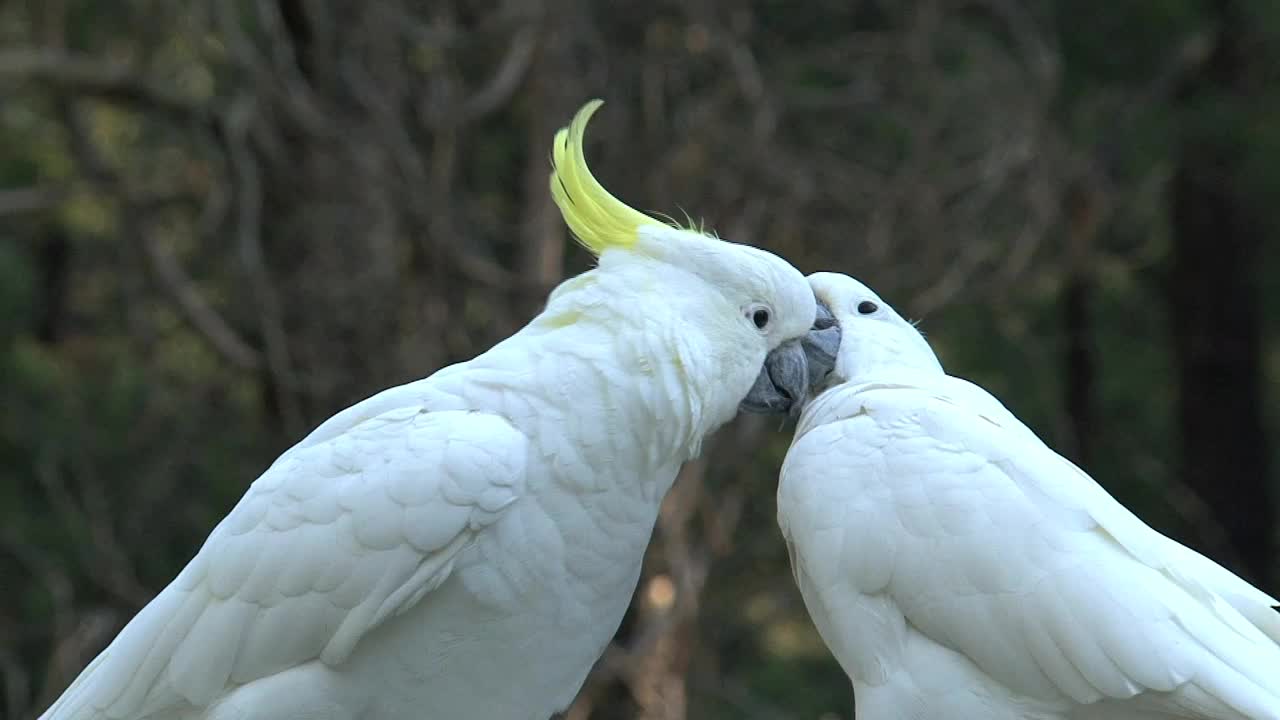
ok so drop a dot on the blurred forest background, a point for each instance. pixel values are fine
(223, 220)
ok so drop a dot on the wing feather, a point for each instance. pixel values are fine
(1007, 553)
(339, 534)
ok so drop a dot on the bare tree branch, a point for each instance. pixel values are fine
(91, 76)
(197, 311)
(248, 224)
(173, 278)
(505, 80)
(34, 199)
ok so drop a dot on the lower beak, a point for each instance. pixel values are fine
(783, 382)
(795, 368)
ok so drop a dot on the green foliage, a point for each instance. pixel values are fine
(1105, 44)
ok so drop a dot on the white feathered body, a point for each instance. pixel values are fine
(464, 546)
(458, 548)
(959, 569)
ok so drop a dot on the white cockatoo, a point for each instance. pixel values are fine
(960, 569)
(464, 546)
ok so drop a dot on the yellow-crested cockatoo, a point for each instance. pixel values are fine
(960, 569)
(464, 546)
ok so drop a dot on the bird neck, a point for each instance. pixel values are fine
(626, 385)
(867, 355)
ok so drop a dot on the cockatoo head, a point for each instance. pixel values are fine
(874, 337)
(746, 304)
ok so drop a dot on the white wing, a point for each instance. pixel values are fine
(936, 500)
(344, 530)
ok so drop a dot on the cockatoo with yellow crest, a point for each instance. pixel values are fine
(464, 546)
(960, 569)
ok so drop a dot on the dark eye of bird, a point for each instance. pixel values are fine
(760, 318)
(866, 307)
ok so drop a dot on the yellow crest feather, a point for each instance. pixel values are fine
(598, 219)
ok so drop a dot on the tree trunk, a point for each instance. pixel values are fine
(54, 262)
(1084, 210)
(549, 103)
(1215, 317)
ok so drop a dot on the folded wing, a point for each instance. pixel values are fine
(936, 499)
(339, 534)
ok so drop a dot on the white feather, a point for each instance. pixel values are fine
(463, 546)
(936, 539)
(267, 595)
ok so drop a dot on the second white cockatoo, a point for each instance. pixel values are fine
(960, 569)
(464, 546)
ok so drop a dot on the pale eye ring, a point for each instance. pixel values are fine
(759, 316)
(866, 307)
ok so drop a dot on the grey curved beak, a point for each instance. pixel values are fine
(794, 368)
(782, 382)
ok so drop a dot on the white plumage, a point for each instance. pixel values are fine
(339, 535)
(463, 547)
(959, 568)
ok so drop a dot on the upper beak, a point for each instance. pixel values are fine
(794, 368)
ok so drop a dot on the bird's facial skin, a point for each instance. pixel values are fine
(793, 369)
(875, 337)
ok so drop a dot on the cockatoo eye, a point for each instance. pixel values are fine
(866, 307)
(760, 316)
